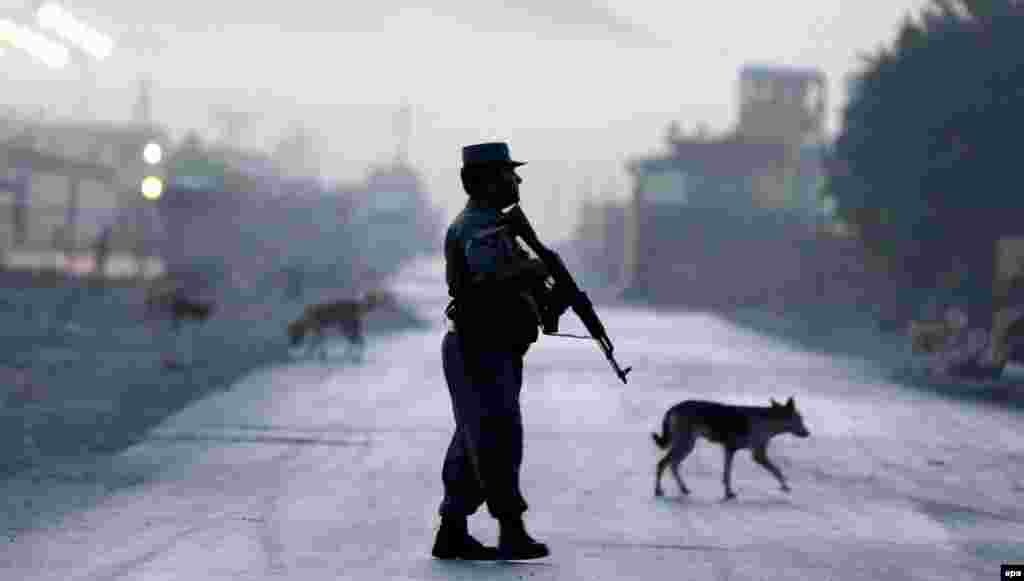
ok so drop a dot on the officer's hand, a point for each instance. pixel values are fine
(517, 223)
(537, 268)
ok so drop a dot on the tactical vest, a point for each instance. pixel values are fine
(494, 315)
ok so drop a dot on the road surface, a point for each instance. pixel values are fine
(311, 471)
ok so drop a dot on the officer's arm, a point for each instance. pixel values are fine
(492, 260)
(526, 271)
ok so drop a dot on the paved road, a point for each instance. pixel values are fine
(309, 472)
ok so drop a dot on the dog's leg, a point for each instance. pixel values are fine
(190, 346)
(760, 455)
(359, 340)
(352, 331)
(350, 344)
(321, 343)
(657, 473)
(357, 352)
(359, 348)
(662, 464)
(681, 448)
(727, 473)
(311, 346)
(171, 361)
(192, 341)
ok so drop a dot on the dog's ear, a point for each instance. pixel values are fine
(775, 404)
(790, 403)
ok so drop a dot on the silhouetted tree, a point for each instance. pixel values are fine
(926, 166)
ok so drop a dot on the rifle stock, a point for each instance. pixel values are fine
(579, 302)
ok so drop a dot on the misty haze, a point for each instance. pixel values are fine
(268, 271)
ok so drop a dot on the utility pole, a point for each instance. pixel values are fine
(403, 129)
(87, 74)
(149, 44)
(142, 112)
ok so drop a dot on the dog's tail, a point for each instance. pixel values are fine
(663, 440)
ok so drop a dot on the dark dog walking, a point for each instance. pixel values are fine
(170, 303)
(178, 308)
(183, 309)
(345, 315)
(734, 427)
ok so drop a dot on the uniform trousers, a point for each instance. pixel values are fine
(486, 451)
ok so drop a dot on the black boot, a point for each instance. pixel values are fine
(514, 544)
(453, 541)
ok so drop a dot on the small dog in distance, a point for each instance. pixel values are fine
(345, 315)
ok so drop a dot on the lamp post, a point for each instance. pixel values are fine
(152, 189)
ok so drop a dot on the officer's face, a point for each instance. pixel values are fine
(505, 190)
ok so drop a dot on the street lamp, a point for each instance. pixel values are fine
(152, 184)
(152, 188)
(152, 153)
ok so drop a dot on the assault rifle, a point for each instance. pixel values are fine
(516, 220)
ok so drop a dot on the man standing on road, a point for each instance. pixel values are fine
(495, 319)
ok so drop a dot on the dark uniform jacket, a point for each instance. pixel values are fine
(487, 312)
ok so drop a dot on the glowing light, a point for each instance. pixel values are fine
(52, 17)
(52, 54)
(152, 187)
(152, 153)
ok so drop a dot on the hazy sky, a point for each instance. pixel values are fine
(576, 87)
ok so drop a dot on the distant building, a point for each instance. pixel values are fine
(729, 173)
(715, 206)
(782, 104)
(599, 241)
(394, 211)
(222, 203)
(62, 182)
(35, 192)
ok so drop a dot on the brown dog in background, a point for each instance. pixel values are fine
(344, 315)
